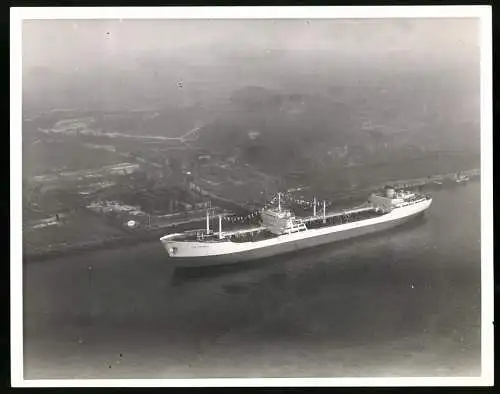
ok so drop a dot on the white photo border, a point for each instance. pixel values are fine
(17, 15)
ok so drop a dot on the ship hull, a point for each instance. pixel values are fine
(223, 253)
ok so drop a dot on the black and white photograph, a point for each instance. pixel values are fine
(262, 196)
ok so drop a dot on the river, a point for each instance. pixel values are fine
(400, 303)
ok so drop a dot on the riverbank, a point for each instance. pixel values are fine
(131, 238)
(399, 304)
(122, 240)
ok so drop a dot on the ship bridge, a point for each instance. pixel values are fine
(280, 221)
(395, 199)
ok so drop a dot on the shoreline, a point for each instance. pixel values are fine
(125, 240)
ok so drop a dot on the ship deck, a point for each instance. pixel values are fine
(336, 219)
(236, 235)
(261, 233)
(252, 236)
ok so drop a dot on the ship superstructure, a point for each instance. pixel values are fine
(282, 232)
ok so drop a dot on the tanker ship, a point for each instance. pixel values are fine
(281, 231)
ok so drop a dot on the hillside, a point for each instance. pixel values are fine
(281, 110)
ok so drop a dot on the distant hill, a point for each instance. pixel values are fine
(345, 126)
(284, 110)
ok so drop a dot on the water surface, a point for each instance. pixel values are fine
(399, 303)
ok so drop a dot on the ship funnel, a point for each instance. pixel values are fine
(390, 192)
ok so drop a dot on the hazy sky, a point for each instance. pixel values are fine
(67, 43)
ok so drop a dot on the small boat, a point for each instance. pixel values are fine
(461, 178)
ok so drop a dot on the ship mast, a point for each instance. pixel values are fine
(279, 202)
(314, 214)
(220, 227)
(324, 211)
(208, 221)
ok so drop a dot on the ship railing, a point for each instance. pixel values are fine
(212, 240)
(411, 202)
(295, 229)
(245, 231)
(338, 214)
(203, 234)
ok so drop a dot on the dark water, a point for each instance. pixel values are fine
(400, 303)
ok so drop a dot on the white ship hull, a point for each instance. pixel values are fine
(226, 251)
